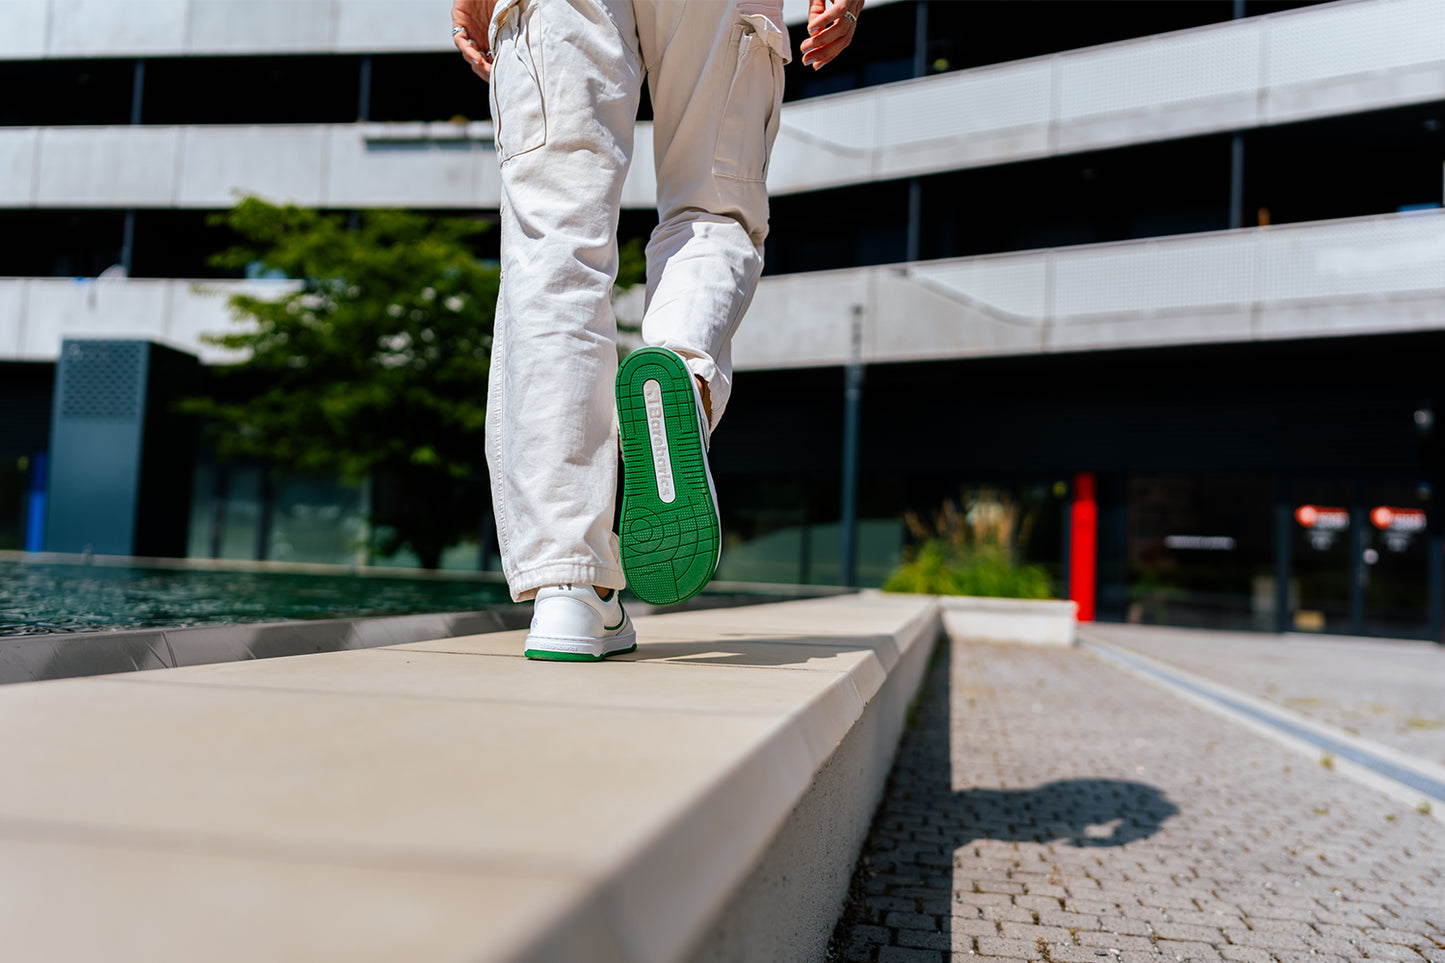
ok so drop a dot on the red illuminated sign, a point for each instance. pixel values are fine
(1322, 518)
(1388, 519)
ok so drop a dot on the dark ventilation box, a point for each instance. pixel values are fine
(121, 456)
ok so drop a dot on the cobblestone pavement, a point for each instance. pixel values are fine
(1046, 805)
(1388, 691)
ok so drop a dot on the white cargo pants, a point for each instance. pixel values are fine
(566, 80)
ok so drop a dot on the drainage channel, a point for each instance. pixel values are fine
(1390, 771)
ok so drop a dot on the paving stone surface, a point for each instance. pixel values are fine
(1046, 805)
(1390, 691)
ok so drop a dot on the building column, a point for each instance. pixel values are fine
(1435, 568)
(1083, 544)
(1283, 551)
(1359, 518)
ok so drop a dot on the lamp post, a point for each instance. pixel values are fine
(852, 403)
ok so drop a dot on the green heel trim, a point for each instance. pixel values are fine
(546, 655)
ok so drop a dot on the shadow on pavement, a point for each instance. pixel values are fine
(1080, 812)
(909, 858)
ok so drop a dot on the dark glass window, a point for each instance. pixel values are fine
(425, 87)
(1149, 190)
(1370, 163)
(980, 32)
(180, 244)
(53, 93)
(963, 35)
(846, 227)
(252, 90)
(177, 244)
(59, 243)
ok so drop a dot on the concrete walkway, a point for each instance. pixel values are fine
(1048, 805)
(449, 800)
(1392, 692)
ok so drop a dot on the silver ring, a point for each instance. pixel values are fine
(849, 15)
(457, 30)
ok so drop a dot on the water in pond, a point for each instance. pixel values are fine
(40, 597)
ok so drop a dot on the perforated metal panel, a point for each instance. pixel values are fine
(102, 379)
(96, 446)
(1363, 39)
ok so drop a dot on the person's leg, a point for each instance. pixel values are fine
(565, 87)
(715, 72)
(715, 75)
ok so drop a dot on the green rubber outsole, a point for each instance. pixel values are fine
(669, 530)
(546, 655)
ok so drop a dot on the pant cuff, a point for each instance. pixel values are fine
(525, 584)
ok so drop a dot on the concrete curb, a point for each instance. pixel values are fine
(1016, 621)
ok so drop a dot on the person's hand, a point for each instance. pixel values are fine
(830, 30)
(474, 17)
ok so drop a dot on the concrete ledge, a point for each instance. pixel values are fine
(789, 903)
(33, 658)
(1022, 621)
(449, 800)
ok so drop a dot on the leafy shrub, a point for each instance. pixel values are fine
(970, 553)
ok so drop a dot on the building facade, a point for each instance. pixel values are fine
(1178, 268)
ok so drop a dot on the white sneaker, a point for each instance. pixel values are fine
(571, 624)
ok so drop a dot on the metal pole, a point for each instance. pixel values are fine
(852, 402)
(920, 39)
(915, 220)
(1236, 159)
(1283, 551)
(127, 242)
(137, 90)
(137, 101)
(363, 97)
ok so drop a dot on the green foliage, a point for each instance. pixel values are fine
(372, 363)
(970, 553)
(631, 264)
(986, 572)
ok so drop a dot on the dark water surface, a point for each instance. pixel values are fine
(39, 597)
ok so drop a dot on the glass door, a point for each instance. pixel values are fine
(1200, 550)
(1323, 533)
(1360, 560)
(1396, 565)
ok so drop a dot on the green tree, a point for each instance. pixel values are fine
(372, 364)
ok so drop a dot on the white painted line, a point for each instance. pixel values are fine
(1405, 778)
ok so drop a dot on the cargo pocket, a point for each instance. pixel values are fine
(750, 119)
(519, 115)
